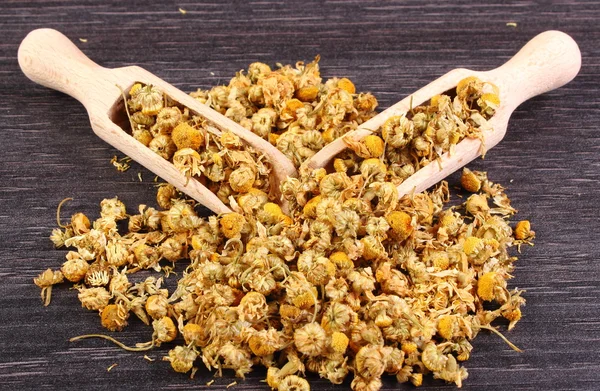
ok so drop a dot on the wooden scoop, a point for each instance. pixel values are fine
(550, 60)
(49, 58)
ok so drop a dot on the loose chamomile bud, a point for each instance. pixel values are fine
(513, 317)
(433, 358)
(242, 179)
(359, 383)
(400, 223)
(144, 136)
(339, 342)
(149, 99)
(113, 207)
(75, 268)
(117, 253)
(477, 205)
(365, 102)
(374, 145)
(306, 299)
(416, 379)
(409, 347)
(114, 317)
(307, 94)
(372, 248)
(232, 225)
(98, 274)
(157, 306)
(186, 136)
(289, 110)
(260, 346)
(94, 298)
(165, 195)
(397, 131)
(310, 339)
(163, 146)
(293, 383)
(182, 358)
(486, 286)
(346, 85)
(193, 334)
(489, 103)
(341, 260)
(164, 330)
(167, 119)
(472, 246)
(373, 170)
(310, 209)
(447, 326)
(252, 200)
(470, 181)
(253, 307)
(523, 230)
(370, 362)
(80, 223)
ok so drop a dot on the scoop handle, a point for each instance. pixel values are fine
(49, 58)
(548, 61)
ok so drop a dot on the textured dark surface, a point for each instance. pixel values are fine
(549, 161)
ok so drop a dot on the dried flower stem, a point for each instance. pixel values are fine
(58, 211)
(149, 345)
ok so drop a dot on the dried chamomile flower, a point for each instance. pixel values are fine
(253, 307)
(186, 136)
(117, 253)
(149, 99)
(477, 205)
(80, 223)
(397, 131)
(97, 274)
(232, 225)
(75, 268)
(193, 334)
(165, 195)
(45, 281)
(242, 179)
(163, 146)
(523, 230)
(488, 284)
(164, 330)
(370, 362)
(94, 298)
(258, 70)
(310, 339)
(187, 161)
(59, 236)
(167, 119)
(182, 358)
(157, 306)
(293, 383)
(114, 208)
(114, 317)
(470, 181)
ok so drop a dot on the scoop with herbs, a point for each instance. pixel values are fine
(451, 132)
(49, 58)
(468, 113)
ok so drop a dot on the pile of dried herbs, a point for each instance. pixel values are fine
(353, 281)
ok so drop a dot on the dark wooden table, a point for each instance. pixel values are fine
(549, 161)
